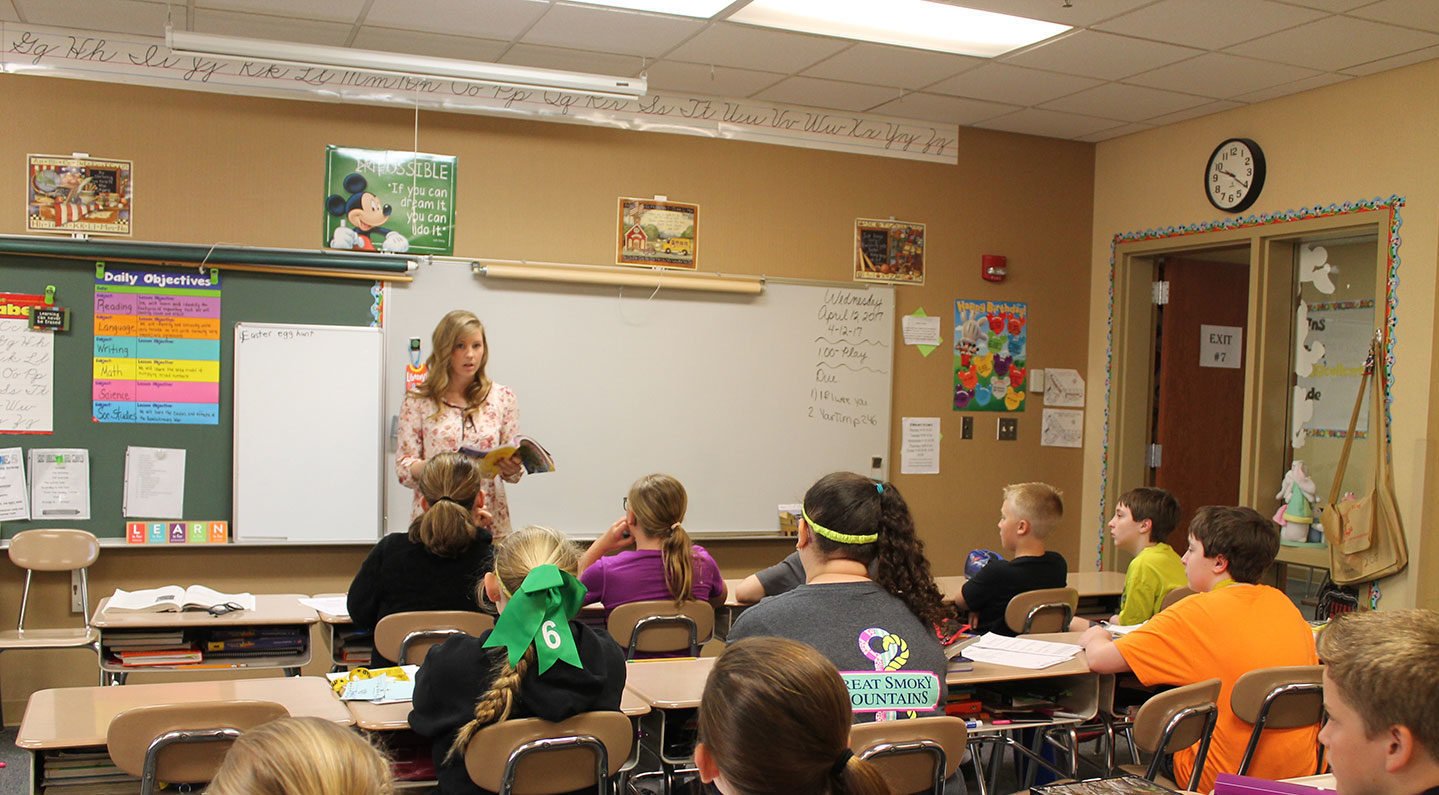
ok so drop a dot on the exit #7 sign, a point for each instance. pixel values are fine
(1220, 346)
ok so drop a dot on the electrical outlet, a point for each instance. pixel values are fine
(1008, 429)
(966, 428)
(77, 605)
(875, 462)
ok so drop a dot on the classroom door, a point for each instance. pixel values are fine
(1199, 382)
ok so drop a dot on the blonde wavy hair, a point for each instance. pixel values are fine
(302, 755)
(450, 484)
(454, 325)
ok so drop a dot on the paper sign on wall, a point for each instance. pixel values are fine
(1221, 346)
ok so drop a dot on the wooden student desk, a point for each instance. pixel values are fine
(270, 610)
(336, 624)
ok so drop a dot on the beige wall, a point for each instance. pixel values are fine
(245, 170)
(1365, 138)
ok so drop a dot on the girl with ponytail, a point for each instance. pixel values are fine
(438, 564)
(538, 662)
(765, 694)
(884, 623)
(662, 563)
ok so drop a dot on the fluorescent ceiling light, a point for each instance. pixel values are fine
(703, 9)
(920, 24)
(284, 52)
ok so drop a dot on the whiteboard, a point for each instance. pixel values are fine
(746, 399)
(309, 433)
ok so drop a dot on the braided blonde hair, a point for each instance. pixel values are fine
(515, 556)
(659, 503)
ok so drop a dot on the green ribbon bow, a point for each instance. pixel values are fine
(539, 613)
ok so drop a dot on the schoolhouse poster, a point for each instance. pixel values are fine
(389, 202)
(990, 368)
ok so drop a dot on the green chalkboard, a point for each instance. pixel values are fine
(256, 297)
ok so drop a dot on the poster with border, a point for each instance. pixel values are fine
(888, 251)
(990, 368)
(658, 233)
(392, 202)
(70, 194)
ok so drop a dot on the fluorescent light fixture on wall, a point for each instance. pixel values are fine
(648, 279)
(283, 52)
(920, 24)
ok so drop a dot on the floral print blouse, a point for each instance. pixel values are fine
(423, 435)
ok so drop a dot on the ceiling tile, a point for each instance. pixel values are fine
(1284, 90)
(1327, 5)
(433, 44)
(1115, 132)
(1102, 55)
(1123, 103)
(1194, 112)
(1032, 121)
(1004, 83)
(572, 60)
(1079, 14)
(1335, 43)
(884, 65)
(745, 46)
(714, 81)
(329, 10)
(1409, 13)
(933, 107)
(1210, 24)
(611, 30)
(813, 92)
(1219, 75)
(1417, 56)
(501, 20)
(116, 16)
(257, 26)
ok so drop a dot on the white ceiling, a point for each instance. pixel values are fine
(1128, 65)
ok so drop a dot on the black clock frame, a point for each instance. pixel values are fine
(1256, 183)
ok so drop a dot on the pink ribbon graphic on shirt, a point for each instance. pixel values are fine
(891, 655)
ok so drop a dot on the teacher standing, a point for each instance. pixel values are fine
(457, 405)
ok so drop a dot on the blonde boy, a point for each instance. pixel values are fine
(1381, 690)
(1028, 514)
(1143, 519)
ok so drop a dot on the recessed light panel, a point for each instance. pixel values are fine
(703, 9)
(906, 23)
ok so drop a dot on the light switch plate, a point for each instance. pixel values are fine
(966, 428)
(1036, 380)
(1008, 429)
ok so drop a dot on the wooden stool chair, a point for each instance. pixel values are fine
(182, 743)
(659, 626)
(892, 746)
(530, 756)
(1043, 610)
(1175, 720)
(407, 637)
(1285, 697)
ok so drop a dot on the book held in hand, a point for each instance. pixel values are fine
(531, 453)
(173, 599)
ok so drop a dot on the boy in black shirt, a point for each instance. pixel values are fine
(1029, 512)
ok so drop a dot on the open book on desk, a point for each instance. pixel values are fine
(531, 453)
(173, 599)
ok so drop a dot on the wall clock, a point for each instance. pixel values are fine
(1234, 175)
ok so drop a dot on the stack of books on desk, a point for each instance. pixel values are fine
(355, 647)
(82, 772)
(160, 647)
(221, 644)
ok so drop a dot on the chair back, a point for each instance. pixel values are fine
(893, 747)
(407, 637)
(1043, 610)
(1176, 719)
(182, 743)
(1284, 697)
(1174, 596)
(53, 550)
(530, 756)
(660, 626)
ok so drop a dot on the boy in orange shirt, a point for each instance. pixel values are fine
(1232, 625)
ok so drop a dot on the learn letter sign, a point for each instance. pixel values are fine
(1220, 346)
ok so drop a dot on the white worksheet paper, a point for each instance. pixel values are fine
(59, 483)
(1020, 652)
(27, 392)
(920, 330)
(332, 605)
(154, 483)
(14, 499)
(919, 451)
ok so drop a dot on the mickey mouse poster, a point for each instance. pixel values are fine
(389, 202)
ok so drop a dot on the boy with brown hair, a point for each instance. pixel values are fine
(1028, 514)
(1381, 690)
(1232, 625)
(1143, 519)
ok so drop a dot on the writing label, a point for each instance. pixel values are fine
(885, 691)
(1221, 346)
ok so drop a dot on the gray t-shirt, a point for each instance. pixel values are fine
(784, 576)
(848, 623)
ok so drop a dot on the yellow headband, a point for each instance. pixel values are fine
(843, 538)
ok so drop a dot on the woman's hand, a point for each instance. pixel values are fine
(510, 468)
(416, 468)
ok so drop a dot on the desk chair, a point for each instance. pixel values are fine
(530, 756)
(53, 550)
(1174, 596)
(1044, 610)
(659, 626)
(891, 746)
(1286, 697)
(407, 637)
(182, 743)
(1173, 721)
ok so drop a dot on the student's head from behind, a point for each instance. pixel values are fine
(459, 351)
(522, 550)
(1029, 512)
(1143, 516)
(1227, 542)
(1381, 690)
(775, 718)
(450, 487)
(852, 517)
(656, 506)
(289, 756)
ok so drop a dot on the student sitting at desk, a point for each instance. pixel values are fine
(663, 564)
(438, 564)
(310, 755)
(860, 624)
(1029, 512)
(1143, 519)
(468, 683)
(1232, 625)
(784, 576)
(1381, 690)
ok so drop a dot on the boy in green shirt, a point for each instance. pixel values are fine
(1143, 519)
